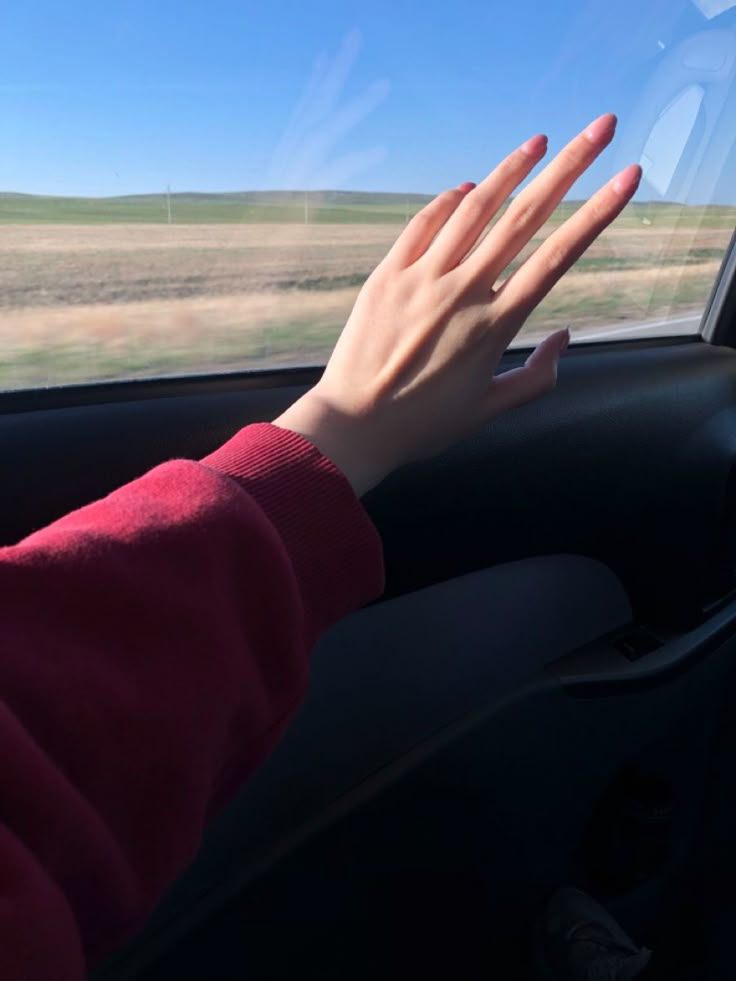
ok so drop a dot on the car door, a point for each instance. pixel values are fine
(541, 696)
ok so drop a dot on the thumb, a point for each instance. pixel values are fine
(537, 377)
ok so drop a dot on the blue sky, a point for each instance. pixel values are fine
(392, 95)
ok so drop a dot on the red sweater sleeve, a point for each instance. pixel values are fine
(154, 647)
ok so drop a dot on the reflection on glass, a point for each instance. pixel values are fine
(669, 137)
(712, 8)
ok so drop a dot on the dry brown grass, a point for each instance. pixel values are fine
(184, 321)
(92, 301)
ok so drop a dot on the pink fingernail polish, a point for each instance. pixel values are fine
(466, 186)
(627, 181)
(536, 146)
(602, 128)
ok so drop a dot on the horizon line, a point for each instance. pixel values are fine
(406, 195)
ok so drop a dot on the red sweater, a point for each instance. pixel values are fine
(154, 646)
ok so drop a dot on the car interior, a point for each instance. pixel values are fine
(545, 694)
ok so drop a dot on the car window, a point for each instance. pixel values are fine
(190, 188)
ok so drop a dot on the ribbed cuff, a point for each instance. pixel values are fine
(334, 547)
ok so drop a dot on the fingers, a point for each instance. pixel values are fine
(534, 205)
(462, 229)
(421, 230)
(536, 378)
(535, 278)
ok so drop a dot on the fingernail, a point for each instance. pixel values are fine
(626, 182)
(466, 186)
(602, 128)
(536, 146)
(565, 341)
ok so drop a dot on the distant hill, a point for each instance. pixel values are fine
(334, 198)
(193, 207)
(313, 207)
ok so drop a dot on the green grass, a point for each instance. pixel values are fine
(663, 215)
(324, 207)
(331, 207)
(66, 363)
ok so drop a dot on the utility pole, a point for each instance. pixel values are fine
(168, 200)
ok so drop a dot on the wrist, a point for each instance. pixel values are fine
(348, 442)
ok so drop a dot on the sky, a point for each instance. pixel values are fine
(130, 97)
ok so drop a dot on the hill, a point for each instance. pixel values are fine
(341, 207)
(293, 207)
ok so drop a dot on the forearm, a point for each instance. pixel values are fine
(155, 645)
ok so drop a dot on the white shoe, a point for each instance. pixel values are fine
(576, 939)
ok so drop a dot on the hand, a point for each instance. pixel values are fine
(413, 370)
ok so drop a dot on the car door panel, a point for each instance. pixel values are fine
(578, 472)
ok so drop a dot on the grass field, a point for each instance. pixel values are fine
(288, 207)
(101, 288)
(251, 207)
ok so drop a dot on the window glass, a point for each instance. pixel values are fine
(190, 187)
